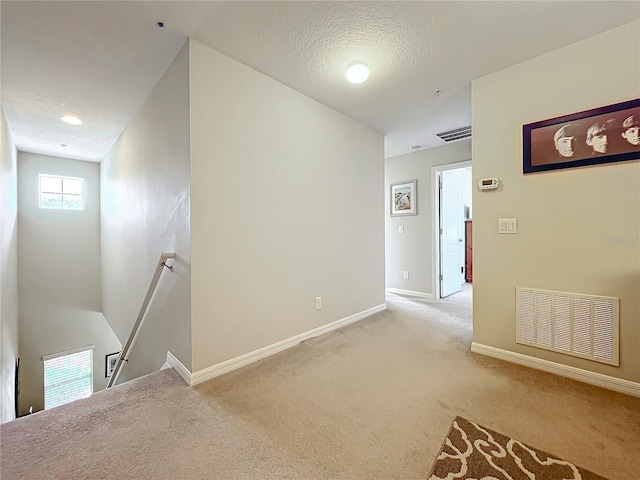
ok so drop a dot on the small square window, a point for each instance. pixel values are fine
(64, 193)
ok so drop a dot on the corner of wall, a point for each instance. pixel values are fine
(146, 198)
(9, 341)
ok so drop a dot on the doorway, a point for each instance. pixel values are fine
(452, 187)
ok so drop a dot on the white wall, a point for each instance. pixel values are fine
(412, 250)
(58, 275)
(8, 273)
(145, 212)
(287, 205)
(566, 216)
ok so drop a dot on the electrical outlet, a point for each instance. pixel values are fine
(405, 275)
(318, 303)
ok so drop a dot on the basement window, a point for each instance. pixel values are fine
(66, 193)
(68, 376)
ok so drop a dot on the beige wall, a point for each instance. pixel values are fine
(58, 275)
(8, 273)
(145, 212)
(564, 217)
(287, 205)
(413, 250)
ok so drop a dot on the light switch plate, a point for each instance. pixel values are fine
(400, 228)
(508, 225)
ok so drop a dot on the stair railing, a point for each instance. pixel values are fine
(143, 309)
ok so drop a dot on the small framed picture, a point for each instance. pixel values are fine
(110, 363)
(404, 199)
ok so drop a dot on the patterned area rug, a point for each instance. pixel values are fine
(474, 452)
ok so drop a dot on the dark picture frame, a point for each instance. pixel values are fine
(600, 135)
(110, 363)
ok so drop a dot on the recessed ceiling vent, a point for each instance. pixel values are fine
(455, 134)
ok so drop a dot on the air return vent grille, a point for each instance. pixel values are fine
(581, 325)
(455, 134)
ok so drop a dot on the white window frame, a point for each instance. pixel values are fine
(61, 193)
(51, 402)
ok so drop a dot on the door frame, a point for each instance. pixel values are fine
(435, 215)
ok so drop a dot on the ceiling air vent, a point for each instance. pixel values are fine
(455, 134)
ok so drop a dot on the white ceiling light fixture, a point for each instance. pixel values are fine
(357, 72)
(70, 119)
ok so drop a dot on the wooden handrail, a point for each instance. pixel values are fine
(143, 309)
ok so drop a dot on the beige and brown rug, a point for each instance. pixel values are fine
(474, 452)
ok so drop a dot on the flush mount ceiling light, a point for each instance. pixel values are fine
(357, 72)
(71, 120)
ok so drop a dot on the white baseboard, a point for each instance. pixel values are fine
(235, 363)
(409, 293)
(179, 367)
(598, 379)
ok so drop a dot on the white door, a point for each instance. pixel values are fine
(451, 234)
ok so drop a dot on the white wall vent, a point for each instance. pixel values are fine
(585, 326)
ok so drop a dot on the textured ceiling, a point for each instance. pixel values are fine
(99, 60)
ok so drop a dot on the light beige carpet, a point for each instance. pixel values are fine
(371, 401)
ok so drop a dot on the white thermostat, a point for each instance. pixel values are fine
(488, 183)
